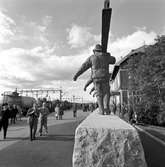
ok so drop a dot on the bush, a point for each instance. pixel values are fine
(161, 118)
(152, 114)
(149, 115)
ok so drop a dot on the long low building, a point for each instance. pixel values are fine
(120, 77)
(124, 74)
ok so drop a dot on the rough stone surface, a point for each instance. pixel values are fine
(107, 141)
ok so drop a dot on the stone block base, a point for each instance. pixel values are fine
(107, 141)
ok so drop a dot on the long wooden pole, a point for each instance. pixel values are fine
(106, 18)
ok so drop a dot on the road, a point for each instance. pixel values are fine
(53, 150)
(153, 141)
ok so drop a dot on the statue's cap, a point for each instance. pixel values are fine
(98, 48)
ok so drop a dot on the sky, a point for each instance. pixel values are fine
(44, 42)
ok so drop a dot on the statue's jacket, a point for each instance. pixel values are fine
(99, 64)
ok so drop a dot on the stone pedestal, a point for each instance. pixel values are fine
(107, 141)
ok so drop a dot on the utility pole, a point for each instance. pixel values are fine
(60, 95)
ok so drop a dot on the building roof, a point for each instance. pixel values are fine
(133, 51)
(119, 63)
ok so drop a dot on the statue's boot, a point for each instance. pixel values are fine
(107, 111)
(106, 103)
(101, 112)
(100, 104)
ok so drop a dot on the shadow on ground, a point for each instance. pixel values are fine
(14, 138)
(69, 137)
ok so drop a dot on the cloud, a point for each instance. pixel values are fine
(81, 36)
(122, 46)
(25, 33)
(47, 20)
(32, 33)
(39, 65)
(7, 28)
(163, 31)
(35, 66)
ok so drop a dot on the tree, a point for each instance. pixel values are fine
(147, 73)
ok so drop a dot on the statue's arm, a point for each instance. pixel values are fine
(85, 66)
(112, 59)
(92, 90)
(87, 84)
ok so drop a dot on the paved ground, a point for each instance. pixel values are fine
(54, 150)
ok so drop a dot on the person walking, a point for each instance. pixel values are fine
(74, 110)
(19, 112)
(57, 111)
(11, 113)
(91, 107)
(14, 112)
(61, 111)
(33, 114)
(4, 119)
(43, 118)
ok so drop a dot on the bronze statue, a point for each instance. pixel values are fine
(99, 63)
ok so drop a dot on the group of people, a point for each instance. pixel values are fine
(59, 111)
(35, 114)
(8, 112)
(89, 107)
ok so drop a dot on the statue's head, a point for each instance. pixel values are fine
(98, 48)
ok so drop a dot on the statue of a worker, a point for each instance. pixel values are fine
(99, 63)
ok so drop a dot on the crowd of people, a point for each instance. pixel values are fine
(38, 113)
(9, 114)
(89, 107)
(37, 116)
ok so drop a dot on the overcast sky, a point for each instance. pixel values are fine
(44, 42)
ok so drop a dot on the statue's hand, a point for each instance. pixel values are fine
(75, 78)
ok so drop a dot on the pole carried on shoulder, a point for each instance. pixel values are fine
(106, 18)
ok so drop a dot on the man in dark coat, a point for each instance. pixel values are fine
(61, 113)
(44, 112)
(33, 114)
(13, 113)
(99, 63)
(4, 121)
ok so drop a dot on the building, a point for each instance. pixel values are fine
(120, 79)
(124, 82)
